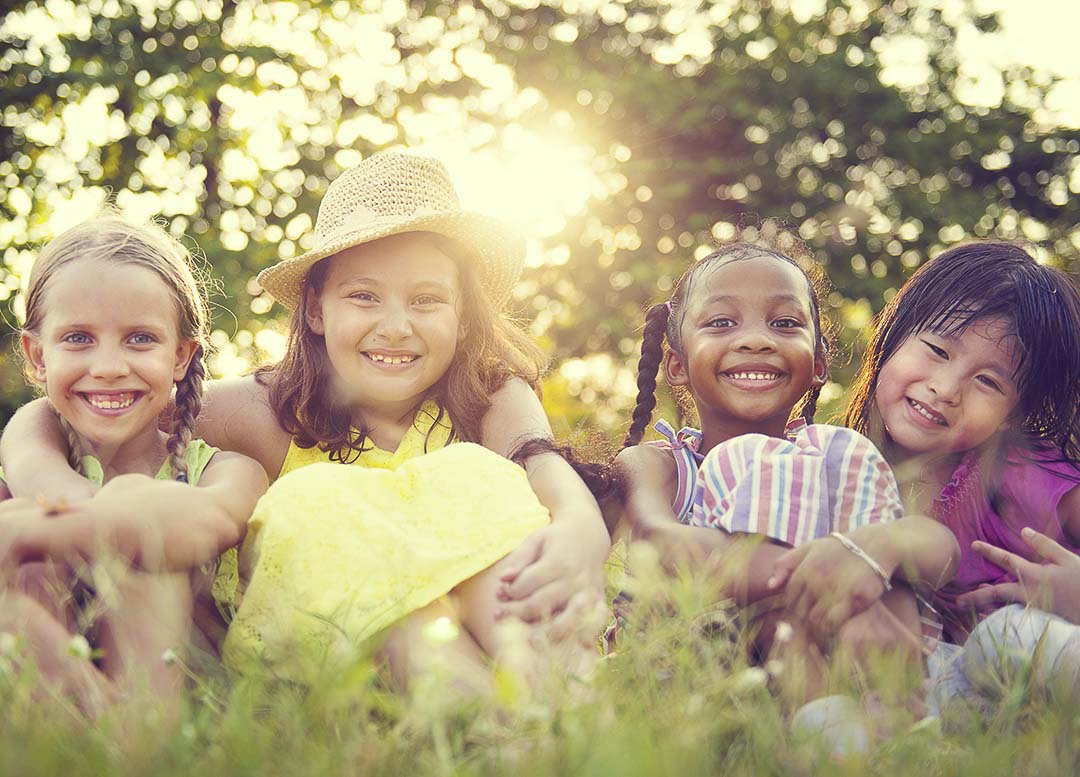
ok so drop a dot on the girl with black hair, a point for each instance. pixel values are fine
(744, 340)
(971, 388)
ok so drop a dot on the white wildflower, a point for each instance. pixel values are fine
(169, 656)
(749, 680)
(784, 632)
(79, 647)
(441, 630)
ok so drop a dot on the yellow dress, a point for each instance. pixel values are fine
(345, 550)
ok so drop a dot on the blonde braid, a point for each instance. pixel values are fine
(188, 404)
(76, 446)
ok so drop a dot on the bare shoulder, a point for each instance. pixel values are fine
(515, 415)
(236, 416)
(235, 469)
(647, 467)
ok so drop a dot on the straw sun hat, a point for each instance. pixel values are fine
(388, 194)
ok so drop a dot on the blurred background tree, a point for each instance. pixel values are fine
(623, 137)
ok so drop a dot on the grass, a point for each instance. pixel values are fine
(672, 701)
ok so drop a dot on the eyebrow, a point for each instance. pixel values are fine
(423, 283)
(736, 298)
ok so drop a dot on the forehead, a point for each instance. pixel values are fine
(412, 257)
(90, 290)
(989, 339)
(758, 279)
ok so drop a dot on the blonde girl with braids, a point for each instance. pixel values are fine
(385, 428)
(116, 324)
(744, 340)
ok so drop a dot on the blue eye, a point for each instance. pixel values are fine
(142, 338)
(76, 338)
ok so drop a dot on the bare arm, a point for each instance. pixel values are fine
(739, 564)
(565, 559)
(915, 548)
(34, 453)
(236, 416)
(156, 525)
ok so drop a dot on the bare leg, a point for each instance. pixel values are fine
(526, 649)
(47, 645)
(145, 616)
(422, 642)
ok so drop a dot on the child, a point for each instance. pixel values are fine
(745, 341)
(971, 384)
(397, 348)
(114, 321)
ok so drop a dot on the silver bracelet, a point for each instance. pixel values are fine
(848, 543)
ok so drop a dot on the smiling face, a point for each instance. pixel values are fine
(946, 394)
(389, 313)
(748, 347)
(108, 351)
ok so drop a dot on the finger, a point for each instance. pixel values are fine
(988, 595)
(1046, 548)
(537, 606)
(1000, 557)
(521, 557)
(571, 620)
(784, 566)
(541, 572)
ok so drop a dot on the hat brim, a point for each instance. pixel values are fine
(497, 252)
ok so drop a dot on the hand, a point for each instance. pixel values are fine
(1053, 585)
(825, 585)
(879, 630)
(550, 568)
(16, 517)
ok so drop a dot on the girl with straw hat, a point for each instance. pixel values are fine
(397, 348)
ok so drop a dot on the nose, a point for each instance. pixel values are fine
(945, 385)
(109, 363)
(395, 323)
(754, 338)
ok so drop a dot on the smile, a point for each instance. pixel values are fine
(113, 401)
(382, 358)
(930, 415)
(760, 376)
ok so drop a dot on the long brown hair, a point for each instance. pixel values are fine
(492, 349)
(109, 237)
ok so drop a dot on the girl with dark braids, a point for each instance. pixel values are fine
(115, 325)
(745, 343)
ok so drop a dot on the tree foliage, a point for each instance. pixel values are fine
(700, 113)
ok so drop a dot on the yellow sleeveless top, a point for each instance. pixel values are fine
(343, 551)
(427, 433)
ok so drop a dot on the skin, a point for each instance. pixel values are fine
(108, 361)
(555, 578)
(750, 316)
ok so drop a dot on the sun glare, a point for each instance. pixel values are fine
(533, 180)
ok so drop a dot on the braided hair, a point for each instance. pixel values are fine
(110, 237)
(663, 323)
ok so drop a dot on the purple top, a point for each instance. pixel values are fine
(1028, 495)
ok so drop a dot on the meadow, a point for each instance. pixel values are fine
(675, 698)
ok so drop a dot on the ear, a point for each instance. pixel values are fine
(821, 371)
(313, 313)
(675, 369)
(184, 353)
(35, 355)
